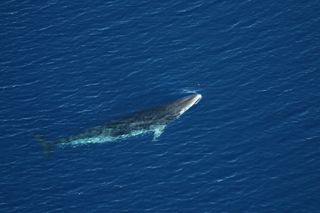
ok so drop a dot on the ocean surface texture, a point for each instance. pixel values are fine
(252, 144)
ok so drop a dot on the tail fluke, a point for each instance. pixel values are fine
(47, 146)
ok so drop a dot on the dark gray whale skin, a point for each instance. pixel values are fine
(152, 120)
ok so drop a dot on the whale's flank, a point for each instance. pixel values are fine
(153, 120)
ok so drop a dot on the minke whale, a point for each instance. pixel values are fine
(153, 120)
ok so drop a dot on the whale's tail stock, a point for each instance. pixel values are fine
(46, 145)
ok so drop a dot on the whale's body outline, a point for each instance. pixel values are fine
(152, 120)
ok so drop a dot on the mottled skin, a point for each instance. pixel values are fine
(152, 120)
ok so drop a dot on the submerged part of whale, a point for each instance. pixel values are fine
(152, 120)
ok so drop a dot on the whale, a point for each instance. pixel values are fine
(148, 121)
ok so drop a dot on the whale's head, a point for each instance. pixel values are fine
(180, 106)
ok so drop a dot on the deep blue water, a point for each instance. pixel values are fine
(250, 145)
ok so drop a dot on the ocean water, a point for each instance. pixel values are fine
(250, 145)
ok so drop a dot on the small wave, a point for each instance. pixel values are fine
(190, 90)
